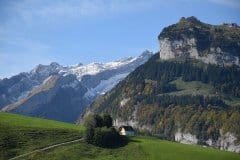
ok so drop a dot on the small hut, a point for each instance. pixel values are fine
(126, 131)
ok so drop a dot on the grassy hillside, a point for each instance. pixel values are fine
(20, 134)
(192, 88)
(140, 148)
(162, 150)
(15, 120)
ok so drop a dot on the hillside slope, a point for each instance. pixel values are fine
(139, 148)
(20, 134)
(181, 98)
(58, 97)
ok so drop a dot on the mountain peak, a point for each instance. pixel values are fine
(146, 53)
(191, 38)
(191, 19)
(54, 64)
(124, 59)
(44, 71)
(41, 67)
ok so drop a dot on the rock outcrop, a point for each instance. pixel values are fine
(227, 141)
(190, 38)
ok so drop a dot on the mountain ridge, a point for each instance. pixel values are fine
(92, 80)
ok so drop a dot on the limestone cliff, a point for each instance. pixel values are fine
(191, 38)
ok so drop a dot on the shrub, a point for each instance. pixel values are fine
(99, 131)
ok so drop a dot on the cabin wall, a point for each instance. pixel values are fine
(126, 133)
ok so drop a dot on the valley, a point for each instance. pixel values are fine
(181, 102)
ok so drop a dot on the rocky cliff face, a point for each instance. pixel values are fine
(190, 38)
(226, 141)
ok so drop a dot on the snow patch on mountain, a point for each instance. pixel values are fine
(94, 68)
(103, 75)
(105, 85)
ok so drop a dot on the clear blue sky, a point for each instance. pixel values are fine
(72, 31)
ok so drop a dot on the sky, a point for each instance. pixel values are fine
(84, 31)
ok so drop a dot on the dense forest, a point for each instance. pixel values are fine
(153, 98)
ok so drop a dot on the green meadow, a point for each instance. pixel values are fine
(139, 148)
(21, 134)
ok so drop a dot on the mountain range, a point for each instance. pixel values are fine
(188, 92)
(62, 93)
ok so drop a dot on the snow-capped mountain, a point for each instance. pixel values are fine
(40, 91)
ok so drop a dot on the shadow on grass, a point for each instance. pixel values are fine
(123, 141)
(116, 143)
(134, 140)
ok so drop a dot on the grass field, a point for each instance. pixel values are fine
(15, 120)
(20, 134)
(199, 88)
(192, 88)
(140, 148)
(165, 150)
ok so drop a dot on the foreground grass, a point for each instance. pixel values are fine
(85, 151)
(21, 134)
(165, 150)
(139, 148)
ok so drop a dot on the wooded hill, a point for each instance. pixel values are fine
(179, 94)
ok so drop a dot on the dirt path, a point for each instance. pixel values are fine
(46, 148)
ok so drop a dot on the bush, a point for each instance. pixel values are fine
(99, 131)
(93, 121)
(106, 137)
